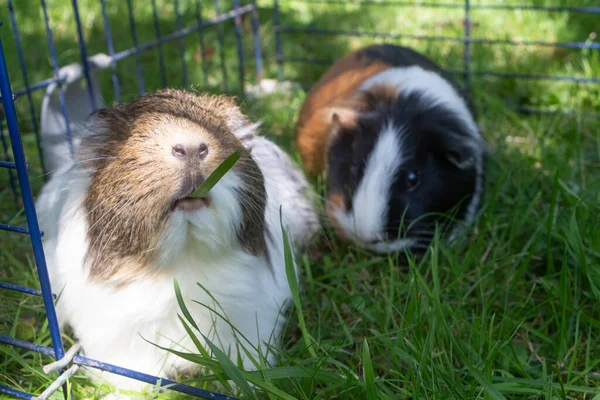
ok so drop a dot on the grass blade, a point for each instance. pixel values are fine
(216, 176)
(183, 307)
(487, 386)
(230, 369)
(368, 374)
(293, 282)
(271, 389)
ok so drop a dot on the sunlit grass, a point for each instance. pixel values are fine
(513, 310)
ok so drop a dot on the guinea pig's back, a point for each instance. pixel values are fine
(339, 84)
(286, 188)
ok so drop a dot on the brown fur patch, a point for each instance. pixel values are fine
(335, 88)
(135, 178)
(335, 202)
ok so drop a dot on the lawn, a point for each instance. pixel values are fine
(511, 311)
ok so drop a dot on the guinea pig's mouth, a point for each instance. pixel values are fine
(191, 203)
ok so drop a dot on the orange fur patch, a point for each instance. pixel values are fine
(336, 88)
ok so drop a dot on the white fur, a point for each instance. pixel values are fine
(434, 89)
(111, 323)
(366, 221)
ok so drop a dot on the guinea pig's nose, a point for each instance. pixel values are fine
(202, 150)
(181, 151)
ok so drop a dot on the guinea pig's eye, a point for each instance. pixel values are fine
(412, 179)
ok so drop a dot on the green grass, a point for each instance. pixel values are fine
(512, 311)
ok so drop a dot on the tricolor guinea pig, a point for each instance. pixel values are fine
(120, 227)
(398, 144)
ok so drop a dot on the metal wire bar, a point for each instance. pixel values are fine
(324, 61)
(149, 45)
(40, 85)
(522, 7)
(258, 61)
(28, 203)
(161, 56)
(60, 381)
(17, 394)
(221, 38)
(89, 362)
(237, 23)
(202, 46)
(457, 39)
(25, 345)
(179, 26)
(84, 58)
(544, 111)
(9, 165)
(22, 289)
(467, 54)
(63, 362)
(55, 67)
(184, 32)
(278, 47)
(13, 228)
(24, 74)
(138, 61)
(111, 52)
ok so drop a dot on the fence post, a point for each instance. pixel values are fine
(278, 49)
(237, 23)
(138, 61)
(55, 67)
(179, 26)
(32, 222)
(467, 55)
(257, 49)
(83, 54)
(111, 52)
(221, 37)
(32, 113)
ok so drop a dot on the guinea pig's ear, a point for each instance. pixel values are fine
(241, 126)
(100, 133)
(458, 150)
(460, 153)
(341, 117)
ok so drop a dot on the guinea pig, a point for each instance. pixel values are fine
(120, 227)
(399, 146)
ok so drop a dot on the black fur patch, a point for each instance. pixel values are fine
(428, 135)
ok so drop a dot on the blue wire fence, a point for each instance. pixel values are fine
(191, 24)
(305, 33)
(13, 157)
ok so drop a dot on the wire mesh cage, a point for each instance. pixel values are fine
(218, 47)
(467, 38)
(85, 81)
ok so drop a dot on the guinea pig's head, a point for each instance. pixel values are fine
(145, 159)
(397, 165)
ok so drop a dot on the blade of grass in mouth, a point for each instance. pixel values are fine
(216, 176)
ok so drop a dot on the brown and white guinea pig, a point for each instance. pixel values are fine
(120, 228)
(398, 144)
